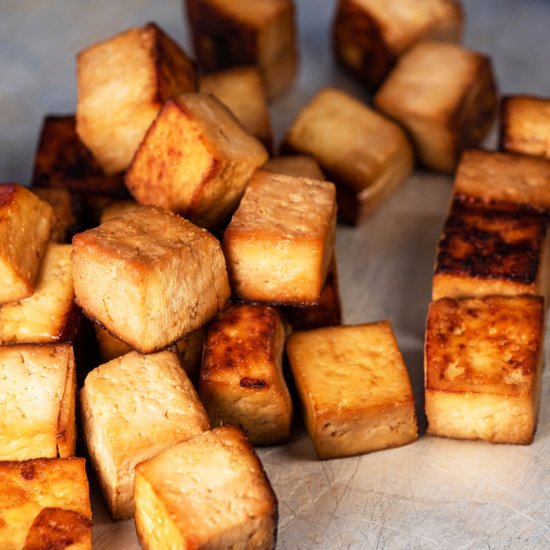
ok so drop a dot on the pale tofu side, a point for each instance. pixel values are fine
(354, 388)
(133, 408)
(208, 492)
(304, 166)
(279, 242)
(44, 504)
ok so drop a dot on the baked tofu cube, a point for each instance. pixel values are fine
(133, 408)
(122, 83)
(304, 166)
(445, 96)
(242, 90)
(279, 243)
(37, 401)
(149, 277)
(63, 161)
(116, 209)
(232, 33)
(525, 125)
(196, 160)
(354, 388)
(208, 492)
(26, 224)
(50, 314)
(503, 181)
(365, 154)
(45, 504)
(241, 379)
(483, 367)
(65, 211)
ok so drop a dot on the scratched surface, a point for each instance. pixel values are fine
(435, 493)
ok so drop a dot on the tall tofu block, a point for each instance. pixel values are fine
(45, 504)
(25, 227)
(196, 160)
(304, 166)
(208, 492)
(149, 277)
(241, 378)
(231, 33)
(483, 367)
(369, 36)
(133, 408)
(354, 388)
(50, 314)
(37, 401)
(365, 154)
(446, 98)
(241, 89)
(486, 252)
(279, 243)
(64, 209)
(503, 181)
(122, 83)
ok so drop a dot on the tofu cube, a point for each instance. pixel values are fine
(149, 277)
(365, 154)
(304, 166)
(196, 160)
(233, 33)
(241, 378)
(45, 505)
(26, 224)
(65, 211)
(241, 89)
(122, 83)
(116, 209)
(369, 36)
(37, 401)
(445, 96)
(354, 388)
(208, 492)
(279, 243)
(525, 125)
(133, 408)
(483, 367)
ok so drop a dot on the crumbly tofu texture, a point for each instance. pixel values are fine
(26, 224)
(160, 277)
(304, 166)
(133, 408)
(483, 368)
(241, 378)
(365, 154)
(354, 388)
(45, 504)
(37, 401)
(446, 98)
(196, 160)
(208, 492)
(122, 83)
(279, 243)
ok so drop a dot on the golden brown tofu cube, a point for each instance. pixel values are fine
(116, 209)
(354, 388)
(149, 277)
(525, 125)
(37, 401)
(483, 367)
(279, 243)
(62, 161)
(369, 36)
(241, 378)
(486, 252)
(64, 209)
(232, 33)
(196, 160)
(133, 408)
(122, 83)
(208, 492)
(26, 224)
(45, 504)
(503, 181)
(304, 166)
(446, 98)
(241, 89)
(365, 154)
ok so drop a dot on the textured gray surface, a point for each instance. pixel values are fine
(435, 493)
